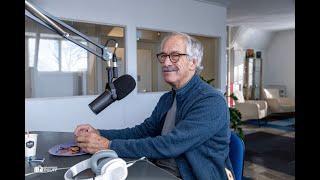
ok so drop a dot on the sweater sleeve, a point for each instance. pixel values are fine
(206, 115)
(149, 128)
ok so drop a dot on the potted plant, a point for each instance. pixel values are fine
(235, 118)
(235, 115)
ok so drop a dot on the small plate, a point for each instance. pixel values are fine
(64, 150)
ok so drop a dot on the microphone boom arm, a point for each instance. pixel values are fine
(49, 21)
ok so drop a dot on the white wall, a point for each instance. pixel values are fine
(64, 114)
(280, 67)
(250, 38)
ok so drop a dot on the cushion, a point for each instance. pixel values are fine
(272, 93)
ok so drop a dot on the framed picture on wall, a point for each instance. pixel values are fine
(258, 53)
(249, 53)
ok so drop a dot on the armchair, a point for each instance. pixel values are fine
(250, 109)
(277, 104)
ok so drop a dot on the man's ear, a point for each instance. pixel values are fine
(193, 65)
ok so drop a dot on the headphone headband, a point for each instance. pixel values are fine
(110, 167)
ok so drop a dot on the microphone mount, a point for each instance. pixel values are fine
(53, 23)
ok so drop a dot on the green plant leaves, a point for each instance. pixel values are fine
(235, 121)
(207, 81)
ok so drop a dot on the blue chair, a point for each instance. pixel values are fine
(236, 154)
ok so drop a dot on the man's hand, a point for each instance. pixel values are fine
(85, 128)
(91, 142)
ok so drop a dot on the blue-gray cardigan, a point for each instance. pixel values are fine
(200, 140)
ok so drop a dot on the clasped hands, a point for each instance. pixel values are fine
(89, 139)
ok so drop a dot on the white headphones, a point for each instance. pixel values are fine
(105, 164)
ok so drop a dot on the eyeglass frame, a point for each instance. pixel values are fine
(170, 57)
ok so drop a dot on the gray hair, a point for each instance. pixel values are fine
(193, 47)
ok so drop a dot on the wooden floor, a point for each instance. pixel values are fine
(258, 172)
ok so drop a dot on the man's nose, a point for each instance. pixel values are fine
(167, 61)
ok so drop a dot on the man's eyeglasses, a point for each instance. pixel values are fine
(174, 57)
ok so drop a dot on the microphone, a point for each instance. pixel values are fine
(123, 86)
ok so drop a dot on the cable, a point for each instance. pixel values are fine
(112, 73)
(111, 39)
(130, 163)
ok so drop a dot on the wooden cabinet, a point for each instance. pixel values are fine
(252, 79)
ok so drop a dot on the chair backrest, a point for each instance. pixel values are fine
(271, 93)
(236, 155)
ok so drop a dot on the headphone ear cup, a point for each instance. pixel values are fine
(101, 155)
(103, 163)
(112, 168)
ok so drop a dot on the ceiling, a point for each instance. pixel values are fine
(273, 15)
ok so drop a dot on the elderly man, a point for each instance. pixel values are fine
(188, 132)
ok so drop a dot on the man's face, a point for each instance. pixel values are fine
(177, 74)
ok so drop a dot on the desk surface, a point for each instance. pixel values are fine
(140, 170)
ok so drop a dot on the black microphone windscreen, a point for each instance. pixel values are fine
(124, 85)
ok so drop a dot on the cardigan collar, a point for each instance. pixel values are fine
(187, 87)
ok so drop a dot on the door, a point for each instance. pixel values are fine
(144, 78)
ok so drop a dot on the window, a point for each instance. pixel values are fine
(149, 72)
(71, 59)
(57, 67)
